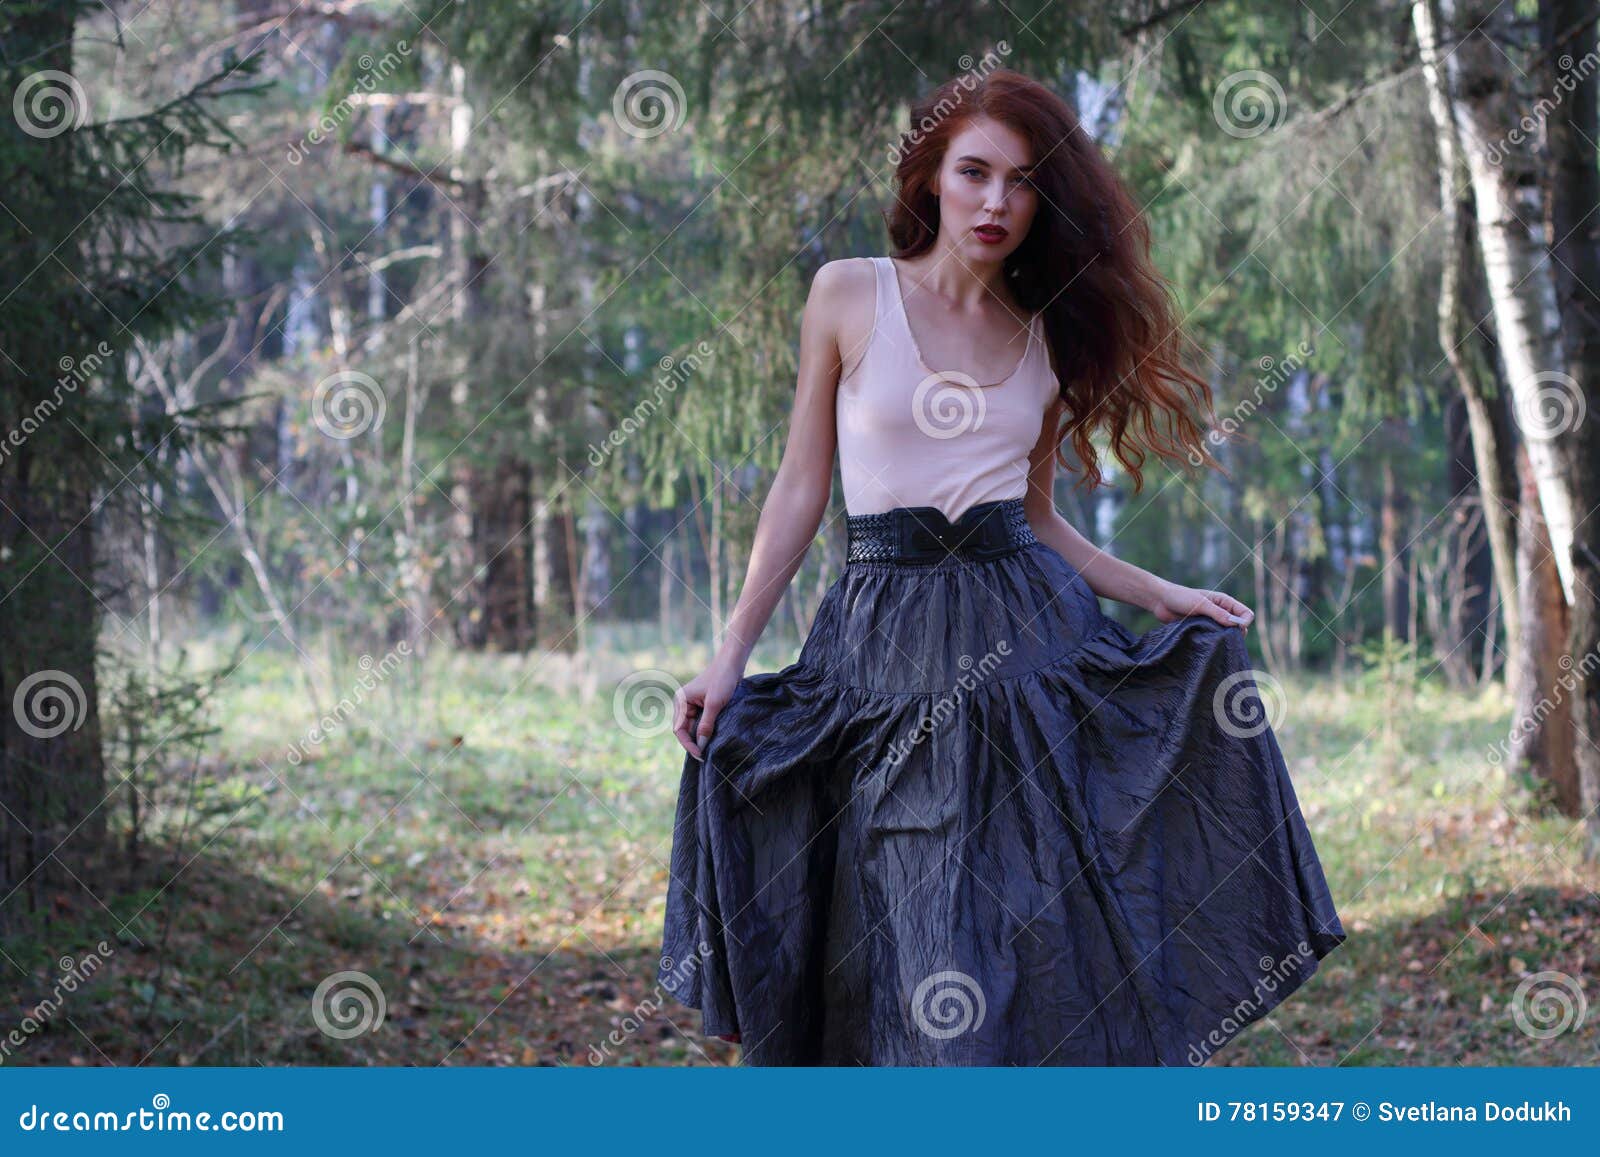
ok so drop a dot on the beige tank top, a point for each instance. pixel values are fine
(911, 436)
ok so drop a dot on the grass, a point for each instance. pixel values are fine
(485, 843)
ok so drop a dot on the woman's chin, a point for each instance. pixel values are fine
(986, 252)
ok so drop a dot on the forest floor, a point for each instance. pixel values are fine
(482, 844)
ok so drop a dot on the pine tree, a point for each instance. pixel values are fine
(97, 252)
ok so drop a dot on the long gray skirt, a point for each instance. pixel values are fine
(979, 822)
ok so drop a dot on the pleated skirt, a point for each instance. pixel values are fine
(979, 822)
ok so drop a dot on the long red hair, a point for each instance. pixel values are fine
(1108, 313)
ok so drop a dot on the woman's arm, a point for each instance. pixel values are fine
(1107, 575)
(793, 509)
(798, 497)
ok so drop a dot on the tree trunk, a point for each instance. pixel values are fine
(1516, 265)
(595, 591)
(1549, 403)
(378, 229)
(1475, 561)
(1393, 551)
(52, 776)
(554, 535)
(470, 261)
(1541, 732)
(1493, 455)
(502, 515)
(414, 574)
(1573, 195)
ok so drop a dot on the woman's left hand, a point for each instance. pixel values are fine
(1174, 602)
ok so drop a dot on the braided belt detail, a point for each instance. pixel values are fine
(922, 534)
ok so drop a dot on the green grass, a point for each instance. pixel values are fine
(484, 841)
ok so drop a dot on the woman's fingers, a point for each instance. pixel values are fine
(695, 707)
(1214, 606)
(1238, 615)
(1234, 606)
(690, 743)
(685, 717)
(708, 721)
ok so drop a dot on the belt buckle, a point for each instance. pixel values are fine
(917, 538)
(967, 538)
(987, 534)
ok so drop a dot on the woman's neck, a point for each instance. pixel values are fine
(962, 285)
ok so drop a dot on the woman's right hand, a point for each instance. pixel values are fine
(698, 702)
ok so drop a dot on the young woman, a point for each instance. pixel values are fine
(979, 822)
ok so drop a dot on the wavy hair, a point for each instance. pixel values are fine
(1108, 313)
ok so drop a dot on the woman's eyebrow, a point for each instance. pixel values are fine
(1025, 169)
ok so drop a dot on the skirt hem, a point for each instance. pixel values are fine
(1236, 1025)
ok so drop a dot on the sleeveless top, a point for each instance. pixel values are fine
(911, 436)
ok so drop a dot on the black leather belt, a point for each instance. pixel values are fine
(921, 534)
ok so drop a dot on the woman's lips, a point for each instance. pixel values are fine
(990, 234)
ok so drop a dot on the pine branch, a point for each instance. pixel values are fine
(431, 177)
(1132, 31)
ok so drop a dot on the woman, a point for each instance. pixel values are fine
(978, 821)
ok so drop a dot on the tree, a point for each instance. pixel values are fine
(95, 251)
(1550, 354)
(1573, 196)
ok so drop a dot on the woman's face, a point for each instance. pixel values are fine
(986, 202)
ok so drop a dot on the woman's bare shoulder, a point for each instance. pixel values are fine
(844, 293)
(845, 278)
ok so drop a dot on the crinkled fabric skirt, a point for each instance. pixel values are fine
(979, 822)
